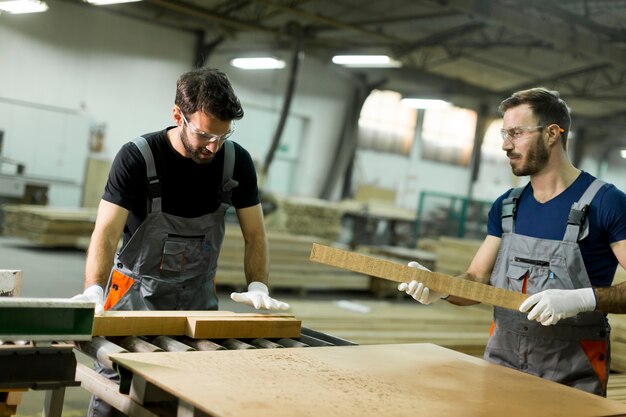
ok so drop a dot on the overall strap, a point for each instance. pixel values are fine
(154, 186)
(228, 183)
(577, 222)
(509, 210)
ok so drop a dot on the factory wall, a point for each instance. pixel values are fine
(74, 67)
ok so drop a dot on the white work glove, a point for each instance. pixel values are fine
(94, 294)
(418, 290)
(550, 306)
(258, 297)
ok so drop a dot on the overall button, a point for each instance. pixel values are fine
(120, 265)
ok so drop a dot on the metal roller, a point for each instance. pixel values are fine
(265, 344)
(136, 344)
(169, 344)
(202, 344)
(234, 344)
(289, 343)
(100, 349)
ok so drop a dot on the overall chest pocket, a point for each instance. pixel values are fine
(531, 275)
(184, 255)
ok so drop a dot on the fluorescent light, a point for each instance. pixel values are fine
(623, 153)
(106, 2)
(423, 103)
(257, 63)
(364, 61)
(23, 6)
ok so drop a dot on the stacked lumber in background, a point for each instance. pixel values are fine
(49, 226)
(290, 267)
(616, 388)
(453, 255)
(464, 329)
(306, 216)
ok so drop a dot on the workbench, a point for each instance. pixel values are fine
(393, 380)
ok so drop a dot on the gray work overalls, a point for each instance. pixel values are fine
(169, 263)
(573, 352)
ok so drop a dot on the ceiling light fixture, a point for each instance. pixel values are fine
(365, 61)
(425, 103)
(107, 2)
(257, 63)
(23, 6)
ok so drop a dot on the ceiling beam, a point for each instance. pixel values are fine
(584, 43)
(213, 17)
(319, 18)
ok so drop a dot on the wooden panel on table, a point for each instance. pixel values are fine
(242, 327)
(169, 323)
(404, 380)
(400, 273)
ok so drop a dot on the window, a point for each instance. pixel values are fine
(385, 124)
(448, 135)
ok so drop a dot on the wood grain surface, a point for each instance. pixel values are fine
(400, 273)
(196, 324)
(400, 380)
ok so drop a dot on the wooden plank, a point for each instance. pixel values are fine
(400, 273)
(174, 323)
(403, 380)
(242, 327)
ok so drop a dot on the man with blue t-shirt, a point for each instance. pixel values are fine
(558, 239)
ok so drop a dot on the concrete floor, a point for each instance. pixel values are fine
(58, 273)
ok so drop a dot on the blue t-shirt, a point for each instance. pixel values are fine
(607, 223)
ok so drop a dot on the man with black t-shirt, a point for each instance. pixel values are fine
(167, 192)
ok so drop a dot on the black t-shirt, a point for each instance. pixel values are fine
(188, 189)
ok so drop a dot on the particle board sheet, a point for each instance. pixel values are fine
(392, 380)
(400, 273)
(196, 324)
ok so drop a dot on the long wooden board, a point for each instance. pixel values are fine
(402, 380)
(196, 324)
(400, 273)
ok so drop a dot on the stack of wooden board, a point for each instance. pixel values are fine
(290, 267)
(49, 226)
(307, 216)
(453, 255)
(464, 329)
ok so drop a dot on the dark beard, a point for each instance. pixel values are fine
(196, 155)
(536, 160)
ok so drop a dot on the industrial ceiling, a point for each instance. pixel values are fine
(477, 49)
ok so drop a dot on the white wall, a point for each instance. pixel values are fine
(99, 67)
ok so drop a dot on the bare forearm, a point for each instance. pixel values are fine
(256, 259)
(99, 260)
(612, 299)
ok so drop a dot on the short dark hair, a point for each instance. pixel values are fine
(547, 106)
(207, 90)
